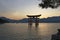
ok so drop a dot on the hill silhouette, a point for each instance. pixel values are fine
(55, 19)
(6, 20)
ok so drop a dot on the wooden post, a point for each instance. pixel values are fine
(36, 22)
(30, 21)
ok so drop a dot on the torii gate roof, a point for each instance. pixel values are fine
(33, 15)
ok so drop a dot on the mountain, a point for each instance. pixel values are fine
(6, 20)
(55, 19)
(24, 20)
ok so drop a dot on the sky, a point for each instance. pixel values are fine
(18, 9)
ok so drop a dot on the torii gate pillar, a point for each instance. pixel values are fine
(36, 19)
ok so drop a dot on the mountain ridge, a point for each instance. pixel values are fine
(54, 19)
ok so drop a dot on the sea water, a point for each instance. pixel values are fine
(22, 31)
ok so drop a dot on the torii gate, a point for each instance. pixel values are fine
(36, 19)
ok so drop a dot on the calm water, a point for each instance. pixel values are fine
(21, 31)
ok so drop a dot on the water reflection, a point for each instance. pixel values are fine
(12, 31)
(29, 31)
(33, 32)
(31, 24)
